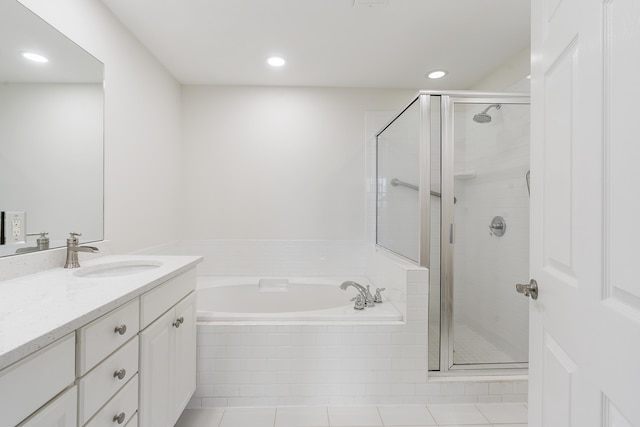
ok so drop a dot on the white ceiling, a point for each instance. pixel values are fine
(329, 42)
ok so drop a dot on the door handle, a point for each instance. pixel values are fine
(530, 290)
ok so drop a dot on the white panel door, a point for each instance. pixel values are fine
(585, 214)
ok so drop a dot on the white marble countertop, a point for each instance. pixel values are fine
(37, 309)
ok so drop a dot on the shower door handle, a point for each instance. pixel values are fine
(530, 290)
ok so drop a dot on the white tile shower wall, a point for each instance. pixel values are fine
(334, 364)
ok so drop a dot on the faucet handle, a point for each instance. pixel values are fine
(359, 302)
(73, 238)
(41, 234)
(378, 297)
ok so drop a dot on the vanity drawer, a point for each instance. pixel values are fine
(102, 382)
(160, 299)
(124, 402)
(36, 379)
(60, 412)
(101, 337)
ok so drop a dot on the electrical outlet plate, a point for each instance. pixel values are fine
(15, 227)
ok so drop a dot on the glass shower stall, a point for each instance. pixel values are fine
(453, 196)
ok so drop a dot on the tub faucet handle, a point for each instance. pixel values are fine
(359, 302)
(378, 296)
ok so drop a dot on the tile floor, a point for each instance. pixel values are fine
(477, 415)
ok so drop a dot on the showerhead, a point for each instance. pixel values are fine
(483, 117)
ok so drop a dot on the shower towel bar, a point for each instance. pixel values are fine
(395, 182)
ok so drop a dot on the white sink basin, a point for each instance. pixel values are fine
(115, 269)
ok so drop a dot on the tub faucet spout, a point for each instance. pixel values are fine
(366, 295)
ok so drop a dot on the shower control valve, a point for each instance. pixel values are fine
(498, 226)
(378, 296)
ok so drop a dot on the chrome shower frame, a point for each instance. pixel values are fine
(447, 238)
(448, 100)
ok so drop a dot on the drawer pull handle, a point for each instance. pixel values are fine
(119, 418)
(179, 321)
(122, 329)
(119, 374)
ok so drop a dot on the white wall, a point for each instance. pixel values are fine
(142, 125)
(510, 76)
(277, 163)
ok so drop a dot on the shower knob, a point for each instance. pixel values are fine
(498, 226)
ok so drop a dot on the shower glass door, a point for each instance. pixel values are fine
(398, 181)
(487, 145)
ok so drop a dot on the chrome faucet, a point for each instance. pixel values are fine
(42, 243)
(73, 248)
(364, 292)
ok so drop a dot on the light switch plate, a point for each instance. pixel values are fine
(15, 227)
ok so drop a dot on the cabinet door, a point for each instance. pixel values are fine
(59, 413)
(185, 354)
(30, 383)
(156, 373)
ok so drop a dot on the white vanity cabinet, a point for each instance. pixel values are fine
(30, 383)
(61, 412)
(107, 366)
(108, 352)
(167, 351)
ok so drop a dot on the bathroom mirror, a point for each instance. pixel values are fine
(51, 133)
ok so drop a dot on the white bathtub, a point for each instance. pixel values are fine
(305, 299)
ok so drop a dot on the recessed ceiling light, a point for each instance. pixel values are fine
(276, 61)
(437, 74)
(35, 57)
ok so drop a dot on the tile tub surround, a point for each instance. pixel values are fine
(337, 363)
(37, 309)
(484, 415)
